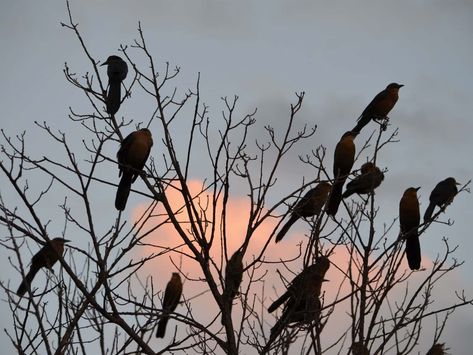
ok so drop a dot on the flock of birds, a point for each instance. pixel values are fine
(301, 299)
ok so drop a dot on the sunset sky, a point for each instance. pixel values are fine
(340, 53)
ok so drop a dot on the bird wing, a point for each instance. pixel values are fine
(377, 99)
(124, 148)
(172, 295)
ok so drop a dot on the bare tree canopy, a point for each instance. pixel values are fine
(188, 264)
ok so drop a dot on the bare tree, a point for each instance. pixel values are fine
(102, 298)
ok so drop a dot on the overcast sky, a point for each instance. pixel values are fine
(341, 53)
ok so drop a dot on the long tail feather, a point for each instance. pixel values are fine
(123, 191)
(286, 227)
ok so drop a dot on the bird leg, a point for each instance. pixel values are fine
(382, 121)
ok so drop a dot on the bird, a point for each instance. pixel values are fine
(370, 178)
(409, 219)
(131, 156)
(437, 349)
(233, 278)
(301, 299)
(442, 194)
(343, 160)
(379, 107)
(117, 69)
(172, 294)
(46, 257)
(309, 205)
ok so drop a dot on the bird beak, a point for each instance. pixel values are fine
(417, 188)
(325, 280)
(401, 85)
(66, 240)
(457, 183)
(104, 63)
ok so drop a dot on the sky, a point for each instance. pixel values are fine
(340, 54)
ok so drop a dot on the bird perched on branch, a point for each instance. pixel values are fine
(343, 160)
(409, 219)
(309, 205)
(441, 195)
(370, 178)
(46, 257)
(171, 299)
(379, 107)
(301, 300)
(117, 70)
(233, 278)
(131, 156)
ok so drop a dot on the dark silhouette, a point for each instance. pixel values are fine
(131, 156)
(117, 70)
(409, 219)
(343, 160)
(171, 300)
(233, 278)
(46, 257)
(301, 300)
(309, 205)
(441, 195)
(437, 349)
(359, 348)
(379, 107)
(369, 179)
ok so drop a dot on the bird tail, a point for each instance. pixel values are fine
(429, 211)
(286, 227)
(228, 305)
(362, 121)
(162, 327)
(113, 97)
(278, 302)
(27, 281)
(335, 197)
(348, 193)
(123, 191)
(413, 251)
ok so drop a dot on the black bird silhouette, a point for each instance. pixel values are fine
(117, 70)
(409, 219)
(379, 107)
(309, 205)
(301, 300)
(370, 178)
(131, 156)
(171, 299)
(441, 195)
(343, 160)
(46, 257)
(233, 278)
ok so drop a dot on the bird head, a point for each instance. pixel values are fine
(452, 181)
(112, 59)
(325, 185)
(394, 86)
(367, 167)
(61, 240)
(411, 190)
(145, 130)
